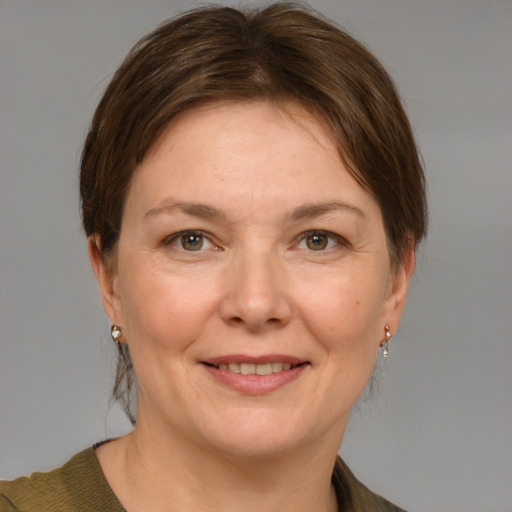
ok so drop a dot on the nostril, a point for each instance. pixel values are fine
(254, 310)
(272, 322)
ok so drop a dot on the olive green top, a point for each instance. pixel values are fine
(80, 486)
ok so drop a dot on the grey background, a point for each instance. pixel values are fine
(438, 434)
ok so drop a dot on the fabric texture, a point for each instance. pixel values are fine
(80, 486)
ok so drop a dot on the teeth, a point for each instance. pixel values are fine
(264, 369)
(247, 368)
(234, 367)
(255, 369)
(277, 367)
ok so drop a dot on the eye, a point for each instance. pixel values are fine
(190, 241)
(319, 240)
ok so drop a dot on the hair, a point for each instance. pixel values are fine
(284, 53)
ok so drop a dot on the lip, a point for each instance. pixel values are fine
(244, 358)
(255, 384)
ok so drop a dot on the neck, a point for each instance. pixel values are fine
(151, 472)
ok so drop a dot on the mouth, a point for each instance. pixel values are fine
(255, 375)
(255, 368)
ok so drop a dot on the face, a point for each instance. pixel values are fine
(252, 282)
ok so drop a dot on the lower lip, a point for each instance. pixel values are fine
(256, 384)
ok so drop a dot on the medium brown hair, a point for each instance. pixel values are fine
(282, 53)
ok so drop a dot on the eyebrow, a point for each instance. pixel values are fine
(209, 212)
(317, 209)
(195, 209)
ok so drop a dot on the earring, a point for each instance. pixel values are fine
(384, 346)
(115, 332)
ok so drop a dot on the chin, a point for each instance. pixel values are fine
(255, 446)
(259, 434)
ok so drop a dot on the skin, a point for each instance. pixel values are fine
(269, 181)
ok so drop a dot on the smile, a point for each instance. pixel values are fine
(255, 375)
(256, 369)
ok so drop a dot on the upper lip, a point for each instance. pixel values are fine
(243, 358)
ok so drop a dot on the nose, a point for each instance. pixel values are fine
(255, 295)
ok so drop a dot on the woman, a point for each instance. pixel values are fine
(252, 196)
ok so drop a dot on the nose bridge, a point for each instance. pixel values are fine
(255, 294)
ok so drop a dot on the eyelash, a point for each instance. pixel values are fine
(170, 240)
(331, 237)
(338, 240)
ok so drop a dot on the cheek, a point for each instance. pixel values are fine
(344, 313)
(165, 311)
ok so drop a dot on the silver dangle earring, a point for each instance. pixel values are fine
(116, 333)
(384, 346)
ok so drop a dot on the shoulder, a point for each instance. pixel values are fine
(78, 485)
(353, 496)
(18, 495)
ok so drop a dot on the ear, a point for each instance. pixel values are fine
(397, 291)
(106, 279)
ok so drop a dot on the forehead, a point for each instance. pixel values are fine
(218, 119)
(238, 152)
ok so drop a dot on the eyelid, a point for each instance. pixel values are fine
(340, 240)
(170, 239)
